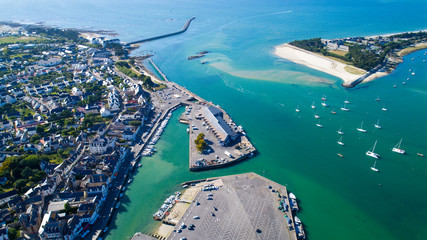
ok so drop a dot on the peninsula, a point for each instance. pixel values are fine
(356, 59)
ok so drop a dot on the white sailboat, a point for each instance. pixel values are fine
(371, 153)
(324, 104)
(344, 108)
(361, 128)
(297, 109)
(340, 131)
(377, 125)
(373, 167)
(397, 148)
(340, 141)
(384, 109)
(313, 106)
(346, 100)
(319, 125)
(324, 97)
(316, 116)
(378, 99)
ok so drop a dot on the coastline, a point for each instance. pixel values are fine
(317, 62)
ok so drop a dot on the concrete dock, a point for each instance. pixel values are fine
(243, 206)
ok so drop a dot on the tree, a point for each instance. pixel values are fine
(27, 172)
(67, 207)
(20, 184)
(40, 129)
(200, 142)
(12, 233)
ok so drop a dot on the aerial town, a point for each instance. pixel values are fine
(77, 116)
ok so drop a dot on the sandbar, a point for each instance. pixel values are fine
(318, 62)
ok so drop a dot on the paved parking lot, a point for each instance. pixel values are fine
(235, 211)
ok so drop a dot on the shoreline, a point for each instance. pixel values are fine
(317, 62)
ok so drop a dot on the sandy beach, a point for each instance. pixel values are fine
(318, 62)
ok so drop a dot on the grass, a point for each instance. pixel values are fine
(409, 50)
(13, 39)
(338, 52)
(354, 70)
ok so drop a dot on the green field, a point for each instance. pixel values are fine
(12, 40)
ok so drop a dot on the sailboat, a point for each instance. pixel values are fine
(394, 85)
(340, 131)
(346, 100)
(340, 141)
(297, 109)
(325, 104)
(384, 109)
(324, 97)
(313, 106)
(361, 128)
(377, 125)
(316, 116)
(373, 167)
(333, 111)
(371, 152)
(319, 125)
(378, 99)
(344, 108)
(397, 148)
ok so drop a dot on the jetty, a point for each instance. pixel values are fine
(186, 26)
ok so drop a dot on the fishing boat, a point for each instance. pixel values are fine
(346, 100)
(371, 152)
(361, 128)
(297, 109)
(339, 154)
(324, 97)
(344, 108)
(293, 202)
(397, 148)
(313, 106)
(340, 141)
(377, 125)
(340, 131)
(373, 167)
(378, 99)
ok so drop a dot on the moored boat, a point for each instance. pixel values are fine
(361, 128)
(397, 148)
(373, 167)
(371, 152)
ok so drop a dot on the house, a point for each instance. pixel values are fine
(50, 62)
(105, 112)
(7, 196)
(101, 145)
(30, 221)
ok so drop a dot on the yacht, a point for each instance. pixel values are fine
(316, 116)
(319, 125)
(313, 106)
(397, 148)
(371, 152)
(344, 108)
(340, 141)
(377, 125)
(340, 131)
(373, 167)
(384, 109)
(361, 128)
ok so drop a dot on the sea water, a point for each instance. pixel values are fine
(341, 198)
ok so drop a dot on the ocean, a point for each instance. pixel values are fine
(341, 198)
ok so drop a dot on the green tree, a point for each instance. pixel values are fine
(67, 208)
(12, 233)
(200, 142)
(19, 185)
(27, 172)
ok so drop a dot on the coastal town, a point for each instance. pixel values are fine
(77, 117)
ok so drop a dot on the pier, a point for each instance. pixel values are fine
(187, 24)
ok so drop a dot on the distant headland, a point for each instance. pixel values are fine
(356, 59)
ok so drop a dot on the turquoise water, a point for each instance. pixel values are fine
(341, 198)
